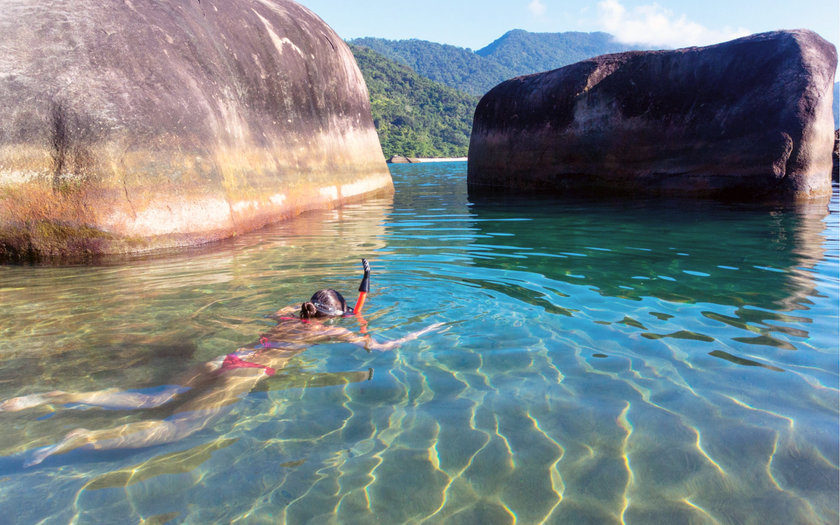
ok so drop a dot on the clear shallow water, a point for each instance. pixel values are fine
(602, 362)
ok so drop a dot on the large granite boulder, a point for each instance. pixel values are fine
(746, 119)
(138, 124)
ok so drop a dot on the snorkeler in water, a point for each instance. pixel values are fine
(207, 391)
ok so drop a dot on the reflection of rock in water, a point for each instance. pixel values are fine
(303, 245)
(741, 361)
(679, 251)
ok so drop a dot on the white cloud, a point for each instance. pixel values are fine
(655, 25)
(536, 7)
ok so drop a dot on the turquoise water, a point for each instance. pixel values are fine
(636, 362)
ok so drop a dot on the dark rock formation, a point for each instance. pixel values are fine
(140, 124)
(835, 157)
(747, 119)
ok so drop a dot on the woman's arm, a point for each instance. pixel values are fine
(369, 343)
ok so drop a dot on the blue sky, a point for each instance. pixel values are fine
(666, 23)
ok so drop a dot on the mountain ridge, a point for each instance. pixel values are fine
(456, 67)
(517, 52)
(525, 52)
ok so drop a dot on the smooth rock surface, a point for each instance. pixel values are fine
(747, 119)
(137, 124)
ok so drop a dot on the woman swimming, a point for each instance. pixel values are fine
(208, 391)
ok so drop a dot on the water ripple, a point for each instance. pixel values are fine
(604, 362)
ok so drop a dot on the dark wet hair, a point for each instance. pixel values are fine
(324, 303)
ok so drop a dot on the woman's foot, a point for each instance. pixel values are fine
(32, 400)
(74, 439)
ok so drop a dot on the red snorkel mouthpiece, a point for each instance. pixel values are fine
(364, 288)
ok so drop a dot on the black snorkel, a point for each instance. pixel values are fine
(364, 288)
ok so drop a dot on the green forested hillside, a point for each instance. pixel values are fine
(456, 67)
(516, 53)
(415, 116)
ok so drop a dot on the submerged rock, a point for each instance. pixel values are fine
(747, 119)
(142, 124)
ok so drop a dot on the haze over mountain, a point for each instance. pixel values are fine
(515, 53)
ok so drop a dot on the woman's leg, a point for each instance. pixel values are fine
(131, 435)
(109, 398)
(192, 417)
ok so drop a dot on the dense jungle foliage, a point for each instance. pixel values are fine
(415, 116)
